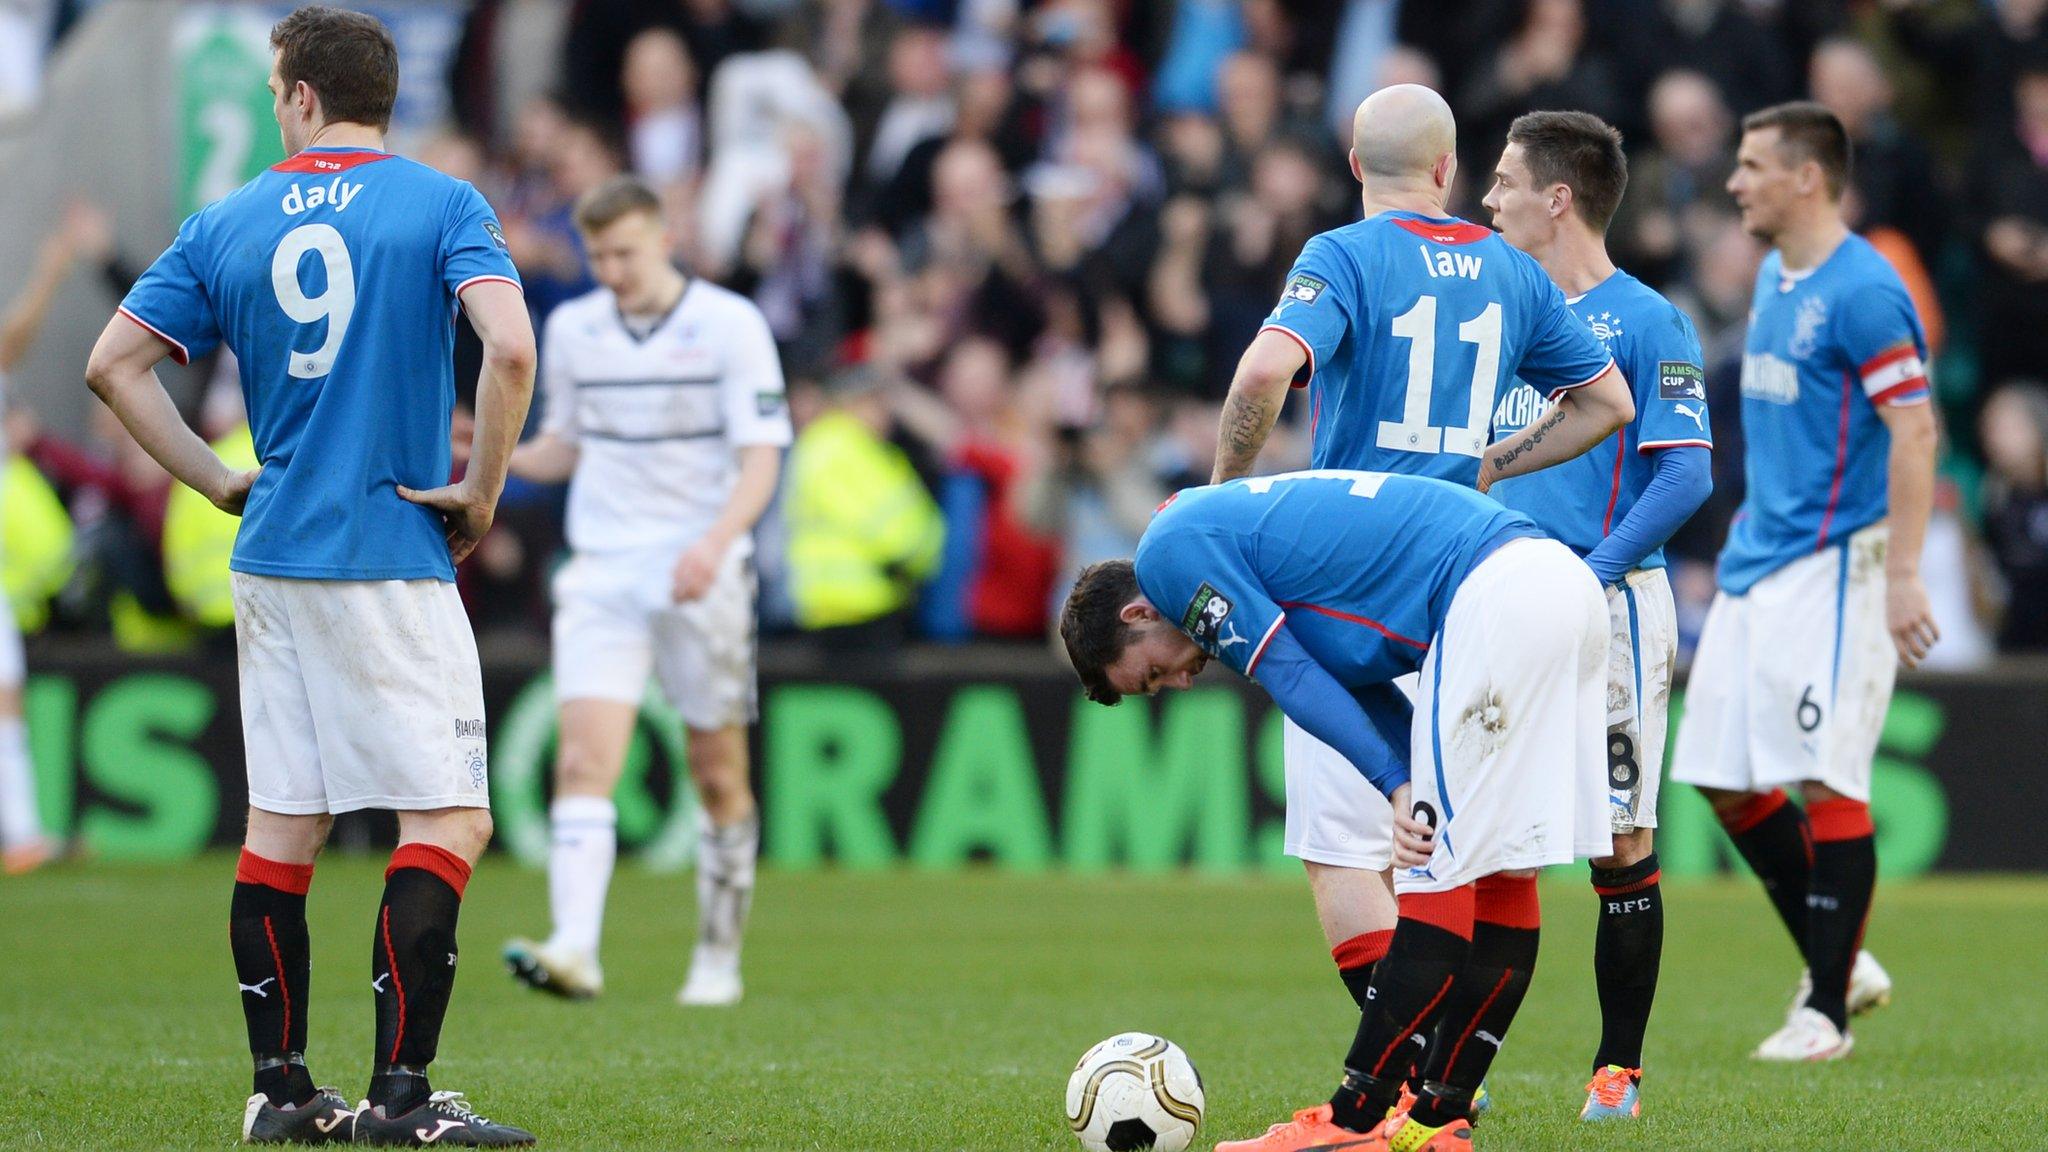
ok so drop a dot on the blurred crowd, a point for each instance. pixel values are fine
(1011, 250)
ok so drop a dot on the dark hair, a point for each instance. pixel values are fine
(1580, 151)
(1092, 625)
(613, 201)
(346, 57)
(1808, 131)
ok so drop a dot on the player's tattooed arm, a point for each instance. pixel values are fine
(1256, 394)
(1580, 419)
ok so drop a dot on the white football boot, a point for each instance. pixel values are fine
(714, 980)
(573, 975)
(1807, 1037)
(1870, 987)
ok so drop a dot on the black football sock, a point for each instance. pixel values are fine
(412, 968)
(1774, 838)
(1356, 959)
(1409, 988)
(1838, 900)
(1483, 1003)
(267, 931)
(1628, 947)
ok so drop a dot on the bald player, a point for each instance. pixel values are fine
(1405, 329)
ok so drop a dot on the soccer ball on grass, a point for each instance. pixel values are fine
(1135, 1091)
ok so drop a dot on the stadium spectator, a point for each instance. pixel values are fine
(1100, 489)
(664, 127)
(2010, 195)
(1546, 63)
(1676, 202)
(1725, 39)
(863, 531)
(1893, 176)
(2014, 431)
(921, 102)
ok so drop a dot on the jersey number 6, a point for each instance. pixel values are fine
(337, 305)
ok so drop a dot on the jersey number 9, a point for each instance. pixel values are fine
(336, 305)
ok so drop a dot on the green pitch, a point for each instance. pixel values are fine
(908, 1011)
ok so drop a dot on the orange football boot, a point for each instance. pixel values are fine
(1311, 1130)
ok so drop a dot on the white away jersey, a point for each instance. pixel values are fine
(658, 419)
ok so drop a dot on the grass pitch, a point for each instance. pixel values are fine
(908, 1011)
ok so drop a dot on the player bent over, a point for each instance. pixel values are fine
(665, 413)
(1555, 188)
(1323, 586)
(334, 277)
(1820, 592)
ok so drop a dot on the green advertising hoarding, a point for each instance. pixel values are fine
(940, 771)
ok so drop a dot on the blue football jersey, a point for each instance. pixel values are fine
(1825, 349)
(1414, 327)
(334, 277)
(1580, 501)
(1360, 565)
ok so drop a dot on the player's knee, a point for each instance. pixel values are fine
(473, 829)
(581, 772)
(1630, 849)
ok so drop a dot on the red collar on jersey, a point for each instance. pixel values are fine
(1456, 232)
(324, 162)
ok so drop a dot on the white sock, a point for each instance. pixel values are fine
(585, 843)
(725, 881)
(19, 823)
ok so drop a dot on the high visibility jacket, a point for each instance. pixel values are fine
(35, 543)
(863, 531)
(199, 539)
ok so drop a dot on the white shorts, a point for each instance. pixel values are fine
(1642, 651)
(1509, 748)
(1334, 814)
(359, 694)
(13, 668)
(617, 622)
(1792, 679)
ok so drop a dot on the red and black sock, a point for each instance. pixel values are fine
(1357, 957)
(1410, 987)
(1838, 900)
(1773, 836)
(1628, 948)
(412, 968)
(267, 931)
(1507, 926)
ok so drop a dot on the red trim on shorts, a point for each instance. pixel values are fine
(1625, 889)
(1841, 819)
(1507, 901)
(452, 869)
(1753, 811)
(292, 878)
(1451, 911)
(1362, 949)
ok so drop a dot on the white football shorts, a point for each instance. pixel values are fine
(1509, 746)
(1334, 814)
(1642, 652)
(359, 694)
(617, 622)
(1792, 679)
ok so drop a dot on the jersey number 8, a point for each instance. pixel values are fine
(337, 305)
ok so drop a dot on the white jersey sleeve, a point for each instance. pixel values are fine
(557, 380)
(756, 407)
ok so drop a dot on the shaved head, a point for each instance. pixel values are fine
(1402, 131)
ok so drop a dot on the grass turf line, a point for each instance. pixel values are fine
(910, 1011)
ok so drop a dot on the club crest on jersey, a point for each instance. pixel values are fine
(1606, 326)
(1806, 325)
(1203, 621)
(1679, 380)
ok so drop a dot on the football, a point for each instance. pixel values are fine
(1135, 1090)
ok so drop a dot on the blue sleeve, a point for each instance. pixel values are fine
(1682, 482)
(1356, 726)
(1885, 346)
(1315, 307)
(171, 299)
(1670, 384)
(472, 244)
(1561, 353)
(1203, 586)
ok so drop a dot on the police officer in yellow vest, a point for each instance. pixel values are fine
(863, 531)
